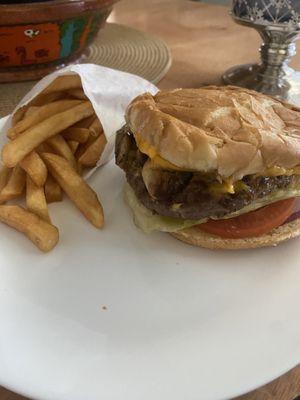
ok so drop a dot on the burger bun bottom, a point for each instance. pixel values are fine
(197, 237)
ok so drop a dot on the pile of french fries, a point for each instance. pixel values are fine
(52, 140)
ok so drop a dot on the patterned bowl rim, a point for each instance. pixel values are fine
(54, 3)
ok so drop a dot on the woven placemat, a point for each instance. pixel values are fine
(116, 46)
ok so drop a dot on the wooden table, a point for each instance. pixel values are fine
(204, 42)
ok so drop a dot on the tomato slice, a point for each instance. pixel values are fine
(254, 223)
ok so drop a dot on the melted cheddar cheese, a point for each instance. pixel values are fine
(278, 171)
(217, 188)
(156, 160)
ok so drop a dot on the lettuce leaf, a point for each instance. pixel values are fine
(149, 222)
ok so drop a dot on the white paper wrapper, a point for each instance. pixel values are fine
(109, 90)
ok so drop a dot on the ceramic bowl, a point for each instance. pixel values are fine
(38, 37)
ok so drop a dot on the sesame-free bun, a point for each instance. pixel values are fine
(231, 131)
(197, 237)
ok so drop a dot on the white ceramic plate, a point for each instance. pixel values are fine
(119, 315)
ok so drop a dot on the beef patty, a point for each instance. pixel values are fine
(187, 195)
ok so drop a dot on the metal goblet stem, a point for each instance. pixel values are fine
(272, 76)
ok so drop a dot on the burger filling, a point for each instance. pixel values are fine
(178, 199)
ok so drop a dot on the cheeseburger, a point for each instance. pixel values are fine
(217, 167)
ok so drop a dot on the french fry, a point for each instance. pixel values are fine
(96, 127)
(4, 175)
(35, 168)
(77, 93)
(53, 192)
(40, 115)
(79, 169)
(44, 148)
(82, 148)
(79, 192)
(80, 135)
(73, 145)
(93, 153)
(61, 148)
(45, 98)
(36, 200)
(96, 130)
(64, 83)
(14, 151)
(44, 235)
(15, 185)
(53, 138)
(85, 123)
(39, 100)
(31, 110)
(18, 115)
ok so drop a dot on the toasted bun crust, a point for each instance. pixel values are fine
(233, 131)
(200, 238)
